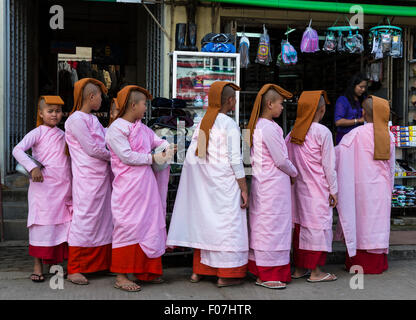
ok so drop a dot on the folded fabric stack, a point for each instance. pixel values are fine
(403, 196)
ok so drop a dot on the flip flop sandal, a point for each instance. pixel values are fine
(196, 281)
(327, 278)
(41, 277)
(223, 285)
(126, 287)
(306, 274)
(157, 281)
(266, 284)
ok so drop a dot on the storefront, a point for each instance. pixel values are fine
(390, 74)
(117, 43)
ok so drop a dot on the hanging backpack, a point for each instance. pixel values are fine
(263, 51)
(310, 40)
(244, 49)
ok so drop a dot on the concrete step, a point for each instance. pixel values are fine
(16, 180)
(15, 229)
(15, 210)
(14, 195)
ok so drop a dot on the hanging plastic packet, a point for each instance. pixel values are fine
(358, 38)
(330, 44)
(377, 50)
(340, 43)
(350, 44)
(386, 42)
(396, 46)
(263, 51)
(244, 49)
(289, 55)
(310, 40)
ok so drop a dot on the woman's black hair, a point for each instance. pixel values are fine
(349, 92)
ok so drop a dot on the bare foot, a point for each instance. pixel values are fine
(322, 276)
(226, 282)
(195, 278)
(271, 284)
(299, 273)
(123, 283)
(77, 278)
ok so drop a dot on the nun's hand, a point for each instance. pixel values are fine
(244, 199)
(36, 175)
(333, 200)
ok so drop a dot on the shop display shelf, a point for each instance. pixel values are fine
(405, 177)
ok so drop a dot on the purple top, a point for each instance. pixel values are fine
(344, 110)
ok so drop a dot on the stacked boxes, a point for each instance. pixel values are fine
(404, 136)
(403, 196)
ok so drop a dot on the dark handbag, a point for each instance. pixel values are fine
(217, 38)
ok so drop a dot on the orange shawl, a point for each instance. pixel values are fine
(123, 97)
(255, 113)
(381, 116)
(307, 106)
(214, 107)
(79, 89)
(52, 100)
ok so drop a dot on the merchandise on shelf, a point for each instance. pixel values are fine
(404, 136)
(403, 169)
(403, 196)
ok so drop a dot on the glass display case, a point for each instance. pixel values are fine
(194, 72)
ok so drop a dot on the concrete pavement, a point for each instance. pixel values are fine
(399, 282)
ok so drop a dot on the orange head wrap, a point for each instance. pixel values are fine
(79, 90)
(123, 97)
(255, 113)
(381, 116)
(307, 106)
(214, 107)
(51, 100)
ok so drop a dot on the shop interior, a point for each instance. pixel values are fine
(99, 40)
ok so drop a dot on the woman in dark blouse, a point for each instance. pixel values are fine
(348, 110)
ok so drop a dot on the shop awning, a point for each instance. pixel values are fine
(339, 7)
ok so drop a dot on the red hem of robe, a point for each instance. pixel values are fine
(202, 269)
(50, 255)
(306, 259)
(372, 263)
(132, 259)
(278, 273)
(87, 260)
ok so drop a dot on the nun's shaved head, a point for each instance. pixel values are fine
(271, 95)
(90, 88)
(322, 102)
(368, 108)
(42, 104)
(135, 97)
(227, 93)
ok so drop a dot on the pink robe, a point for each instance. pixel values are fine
(317, 179)
(270, 217)
(207, 213)
(50, 201)
(365, 187)
(91, 187)
(139, 215)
